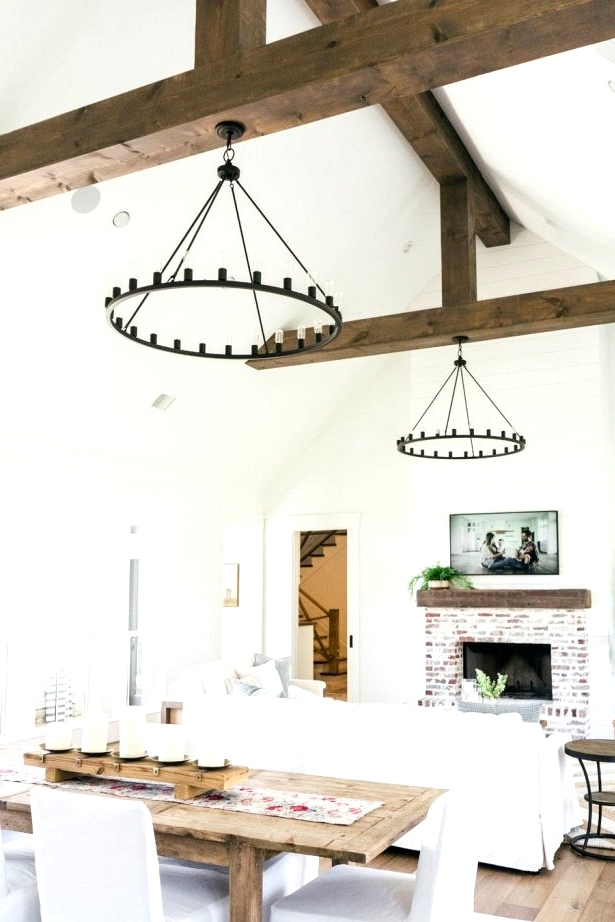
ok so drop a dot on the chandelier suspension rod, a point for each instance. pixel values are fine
(435, 397)
(450, 406)
(202, 215)
(465, 400)
(490, 400)
(248, 266)
(201, 212)
(281, 238)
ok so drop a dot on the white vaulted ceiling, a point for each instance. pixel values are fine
(348, 192)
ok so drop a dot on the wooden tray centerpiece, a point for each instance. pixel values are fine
(189, 780)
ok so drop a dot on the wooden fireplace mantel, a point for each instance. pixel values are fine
(503, 598)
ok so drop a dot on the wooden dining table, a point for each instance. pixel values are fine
(244, 841)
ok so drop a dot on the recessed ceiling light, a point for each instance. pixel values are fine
(607, 49)
(163, 401)
(121, 219)
(84, 200)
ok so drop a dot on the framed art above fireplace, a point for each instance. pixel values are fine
(522, 543)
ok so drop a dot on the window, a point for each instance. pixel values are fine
(135, 641)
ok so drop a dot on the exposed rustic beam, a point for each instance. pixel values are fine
(328, 10)
(226, 26)
(401, 48)
(457, 243)
(424, 125)
(504, 598)
(496, 318)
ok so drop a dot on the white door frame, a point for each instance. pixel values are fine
(331, 521)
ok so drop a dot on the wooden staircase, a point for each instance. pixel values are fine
(325, 621)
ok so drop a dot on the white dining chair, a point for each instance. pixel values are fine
(18, 890)
(441, 890)
(96, 859)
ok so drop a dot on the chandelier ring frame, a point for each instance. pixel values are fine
(325, 327)
(320, 339)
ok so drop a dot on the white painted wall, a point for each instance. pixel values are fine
(556, 389)
(65, 548)
(241, 628)
(66, 517)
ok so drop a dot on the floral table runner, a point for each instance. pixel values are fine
(317, 808)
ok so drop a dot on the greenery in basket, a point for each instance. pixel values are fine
(490, 688)
(438, 572)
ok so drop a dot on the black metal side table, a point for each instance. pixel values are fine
(597, 751)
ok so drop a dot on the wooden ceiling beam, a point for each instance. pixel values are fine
(223, 27)
(496, 318)
(457, 244)
(423, 123)
(328, 10)
(427, 129)
(377, 55)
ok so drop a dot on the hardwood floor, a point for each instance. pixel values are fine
(577, 890)
(336, 684)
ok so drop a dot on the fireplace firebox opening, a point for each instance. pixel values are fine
(527, 665)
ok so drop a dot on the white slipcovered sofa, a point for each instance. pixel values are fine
(259, 675)
(407, 744)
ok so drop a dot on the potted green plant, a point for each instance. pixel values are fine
(442, 577)
(490, 688)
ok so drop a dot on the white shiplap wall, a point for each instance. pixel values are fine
(553, 387)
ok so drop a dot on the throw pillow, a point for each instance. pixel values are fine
(266, 675)
(282, 665)
(245, 687)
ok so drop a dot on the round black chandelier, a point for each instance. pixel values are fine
(451, 442)
(233, 311)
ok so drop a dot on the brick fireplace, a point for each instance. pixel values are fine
(446, 628)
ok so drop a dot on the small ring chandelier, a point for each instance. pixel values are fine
(253, 318)
(452, 443)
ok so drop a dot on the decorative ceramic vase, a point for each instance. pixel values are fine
(438, 584)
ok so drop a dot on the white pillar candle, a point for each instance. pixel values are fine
(95, 733)
(132, 732)
(171, 743)
(210, 753)
(59, 735)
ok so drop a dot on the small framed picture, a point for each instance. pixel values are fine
(230, 585)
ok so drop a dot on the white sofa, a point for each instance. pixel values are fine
(483, 754)
(260, 675)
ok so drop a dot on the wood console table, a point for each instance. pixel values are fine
(188, 779)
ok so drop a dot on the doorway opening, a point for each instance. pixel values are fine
(323, 609)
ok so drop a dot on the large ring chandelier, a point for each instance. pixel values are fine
(226, 315)
(450, 442)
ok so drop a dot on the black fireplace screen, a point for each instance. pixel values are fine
(527, 665)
